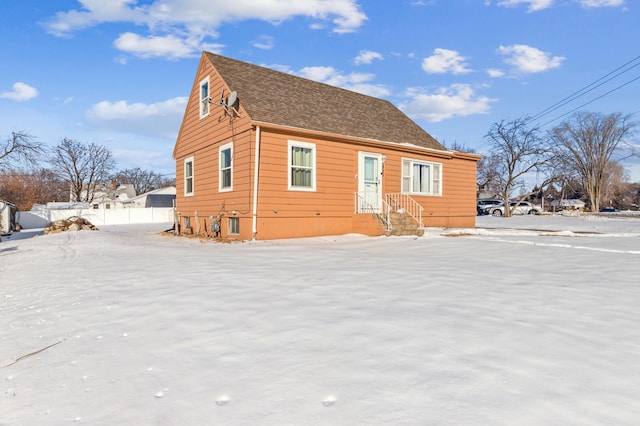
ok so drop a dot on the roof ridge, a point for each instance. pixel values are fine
(266, 68)
(281, 98)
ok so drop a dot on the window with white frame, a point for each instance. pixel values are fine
(226, 167)
(188, 176)
(204, 97)
(302, 166)
(421, 177)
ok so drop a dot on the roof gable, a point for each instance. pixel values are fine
(275, 97)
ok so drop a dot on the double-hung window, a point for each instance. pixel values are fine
(302, 166)
(188, 176)
(226, 167)
(204, 97)
(421, 177)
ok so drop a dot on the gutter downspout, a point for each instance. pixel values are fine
(255, 185)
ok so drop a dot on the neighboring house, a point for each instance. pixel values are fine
(269, 155)
(8, 220)
(113, 196)
(162, 197)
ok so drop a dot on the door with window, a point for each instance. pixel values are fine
(369, 182)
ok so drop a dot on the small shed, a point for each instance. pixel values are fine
(8, 217)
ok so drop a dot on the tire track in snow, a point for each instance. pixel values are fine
(68, 247)
(558, 245)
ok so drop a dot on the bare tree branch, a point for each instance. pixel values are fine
(20, 147)
(142, 180)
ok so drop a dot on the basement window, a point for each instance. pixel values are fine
(234, 225)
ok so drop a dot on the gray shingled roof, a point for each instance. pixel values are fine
(275, 97)
(160, 200)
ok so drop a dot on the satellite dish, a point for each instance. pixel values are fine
(232, 98)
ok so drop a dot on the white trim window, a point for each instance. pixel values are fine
(188, 176)
(204, 97)
(225, 153)
(421, 177)
(302, 166)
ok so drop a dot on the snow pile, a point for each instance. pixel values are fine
(501, 328)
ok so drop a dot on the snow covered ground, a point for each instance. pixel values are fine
(523, 321)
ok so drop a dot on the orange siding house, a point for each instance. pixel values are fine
(265, 155)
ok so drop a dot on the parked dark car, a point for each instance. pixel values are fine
(484, 205)
(608, 210)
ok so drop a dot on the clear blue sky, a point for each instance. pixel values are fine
(117, 72)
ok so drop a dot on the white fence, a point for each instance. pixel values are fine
(40, 219)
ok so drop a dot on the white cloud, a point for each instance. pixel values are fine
(445, 61)
(601, 3)
(527, 59)
(154, 46)
(534, 5)
(357, 82)
(95, 12)
(185, 24)
(495, 73)
(537, 5)
(457, 100)
(264, 42)
(21, 92)
(366, 57)
(157, 119)
(153, 157)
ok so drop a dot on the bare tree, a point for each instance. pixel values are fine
(142, 180)
(20, 147)
(27, 187)
(488, 179)
(518, 151)
(586, 143)
(83, 166)
(614, 185)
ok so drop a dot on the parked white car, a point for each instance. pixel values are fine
(523, 207)
(484, 205)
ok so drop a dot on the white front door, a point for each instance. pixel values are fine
(370, 182)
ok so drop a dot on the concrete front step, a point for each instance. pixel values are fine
(401, 224)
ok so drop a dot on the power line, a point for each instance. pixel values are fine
(573, 98)
(591, 101)
(590, 87)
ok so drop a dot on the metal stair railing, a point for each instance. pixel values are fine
(399, 201)
(383, 213)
